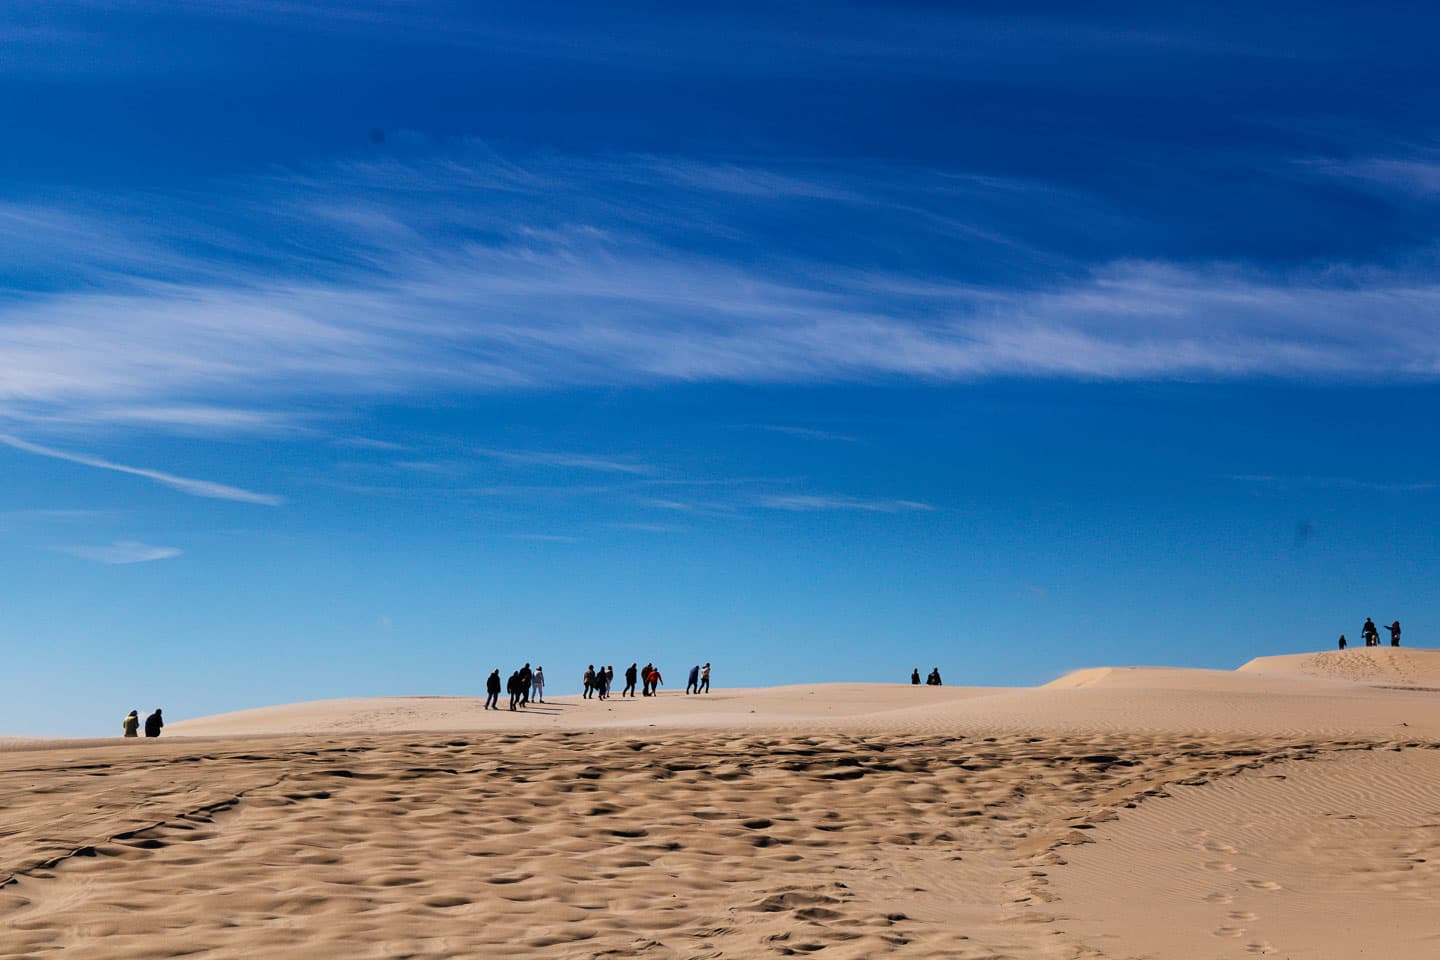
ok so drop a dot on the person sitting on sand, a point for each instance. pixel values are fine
(131, 724)
(492, 690)
(537, 685)
(934, 679)
(632, 673)
(915, 677)
(1394, 629)
(153, 723)
(589, 680)
(1342, 641)
(693, 681)
(1370, 634)
(704, 679)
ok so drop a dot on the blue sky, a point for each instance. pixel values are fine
(361, 351)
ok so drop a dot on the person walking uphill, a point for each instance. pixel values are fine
(492, 691)
(131, 724)
(631, 674)
(652, 682)
(704, 679)
(537, 685)
(1394, 629)
(693, 681)
(153, 723)
(915, 677)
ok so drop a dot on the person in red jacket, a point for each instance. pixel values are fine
(652, 680)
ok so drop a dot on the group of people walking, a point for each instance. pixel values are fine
(931, 681)
(153, 723)
(1371, 635)
(523, 686)
(526, 686)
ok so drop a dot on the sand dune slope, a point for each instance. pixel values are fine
(1398, 666)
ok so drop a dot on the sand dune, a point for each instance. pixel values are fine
(1285, 809)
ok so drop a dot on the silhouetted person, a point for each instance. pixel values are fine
(693, 681)
(589, 680)
(704, 679)
(525, 676)
(512, 687)
(1394, 629)
(934, 678)
(631, 675)
(915, 677)
(131, 724)
(652, 682)
(1371, 635)
(645, 679)
(153, 723)
(492, 691)
(537, 684)
(1342, 641)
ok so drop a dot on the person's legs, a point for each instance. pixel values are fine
(704, 685)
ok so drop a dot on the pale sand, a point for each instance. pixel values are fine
(1291, 808)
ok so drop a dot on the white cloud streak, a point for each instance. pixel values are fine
(464, 277)
(193, 487)
(122, 552)
(805, 503)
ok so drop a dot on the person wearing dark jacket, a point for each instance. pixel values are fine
(512, 687)
(525, 677)
(934, 678)
(1342, 641)
(1370, 634)
(1394, 629)
(631, 675)
(492, 691)
(589, 681)
(153, 723)
(693, 682)
(915, 677)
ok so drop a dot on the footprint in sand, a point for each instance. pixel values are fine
(1232, 932)
(1263, 885)
(1220, 866)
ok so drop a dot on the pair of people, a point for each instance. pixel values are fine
(649, 681)
(597, 682)
(153, 724)
(699, 680)
(931, 681)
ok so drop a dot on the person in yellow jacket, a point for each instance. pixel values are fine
(131, 724)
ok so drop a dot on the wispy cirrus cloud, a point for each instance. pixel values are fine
(573, 461)
(805, 503)
(189, 485)
(478, 274)
(122, 552)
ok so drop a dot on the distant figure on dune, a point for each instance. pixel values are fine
(131, 724)
(609, 680)
(704, 679)
(645, 672)
(1342, 641)
(524, 677)
(1369, 634)
(537, 685)
(915, 677)
(512, 687)
(652, 682)
(589, 680)
(1394, 629)
(153, 723)
(631, 675)
(693, 681)
(492, 690)
(934, 679)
